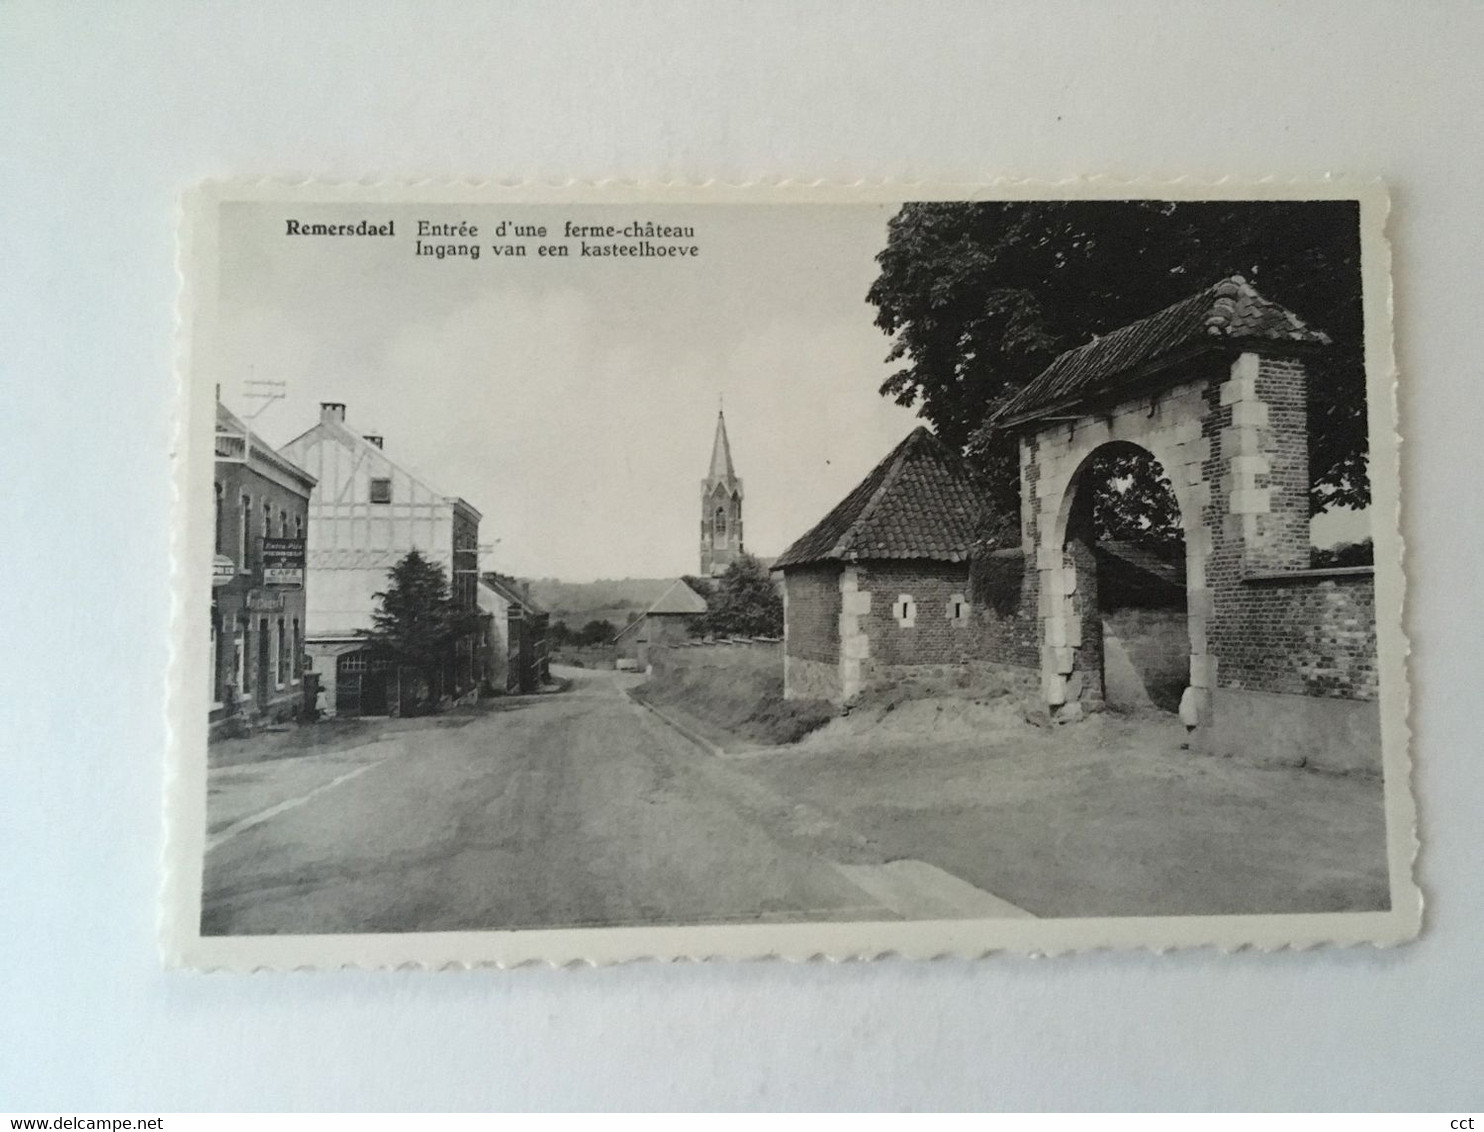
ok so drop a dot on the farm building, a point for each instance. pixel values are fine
(879, 588)
(667, 621)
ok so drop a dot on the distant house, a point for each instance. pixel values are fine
(667, 621)
(879, 587)
(366, 512)
(517, 644)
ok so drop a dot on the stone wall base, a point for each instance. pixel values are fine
(1312, 731)
(972, 677)
(811, 680)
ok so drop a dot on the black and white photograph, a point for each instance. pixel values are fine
(830, 573)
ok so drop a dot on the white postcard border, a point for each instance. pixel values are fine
(183, 944)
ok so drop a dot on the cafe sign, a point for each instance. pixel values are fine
(283, 562)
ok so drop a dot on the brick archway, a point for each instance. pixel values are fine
(1231, 435)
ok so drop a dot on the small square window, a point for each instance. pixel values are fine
(958, 611)
(905, 611)
(381, 490)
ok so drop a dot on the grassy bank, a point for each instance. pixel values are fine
(745, 701)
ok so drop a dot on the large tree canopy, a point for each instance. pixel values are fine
(743, 603)
(979, 297)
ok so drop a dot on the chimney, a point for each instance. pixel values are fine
(373, 438)
(332, 411)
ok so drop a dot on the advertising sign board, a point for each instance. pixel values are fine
(283, 562)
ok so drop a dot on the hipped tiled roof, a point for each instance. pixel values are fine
(1229, 313)
(679, 598)
(919, 502)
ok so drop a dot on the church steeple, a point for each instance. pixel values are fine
(721, 451)
(721, 506)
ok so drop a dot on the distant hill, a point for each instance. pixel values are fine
(607, 599)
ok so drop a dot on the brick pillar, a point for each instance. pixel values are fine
(1258, 509)
(1264, 446)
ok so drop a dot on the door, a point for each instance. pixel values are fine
(265, 661)
(350, 670)
(373, 689)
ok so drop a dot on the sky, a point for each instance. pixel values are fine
(573, 401)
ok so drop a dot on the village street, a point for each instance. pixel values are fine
(584, 807)
(575, 808)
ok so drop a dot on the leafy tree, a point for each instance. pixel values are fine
(595, 632)
(744, 602)
(1133, 500)
(416, 623)
(981, 296)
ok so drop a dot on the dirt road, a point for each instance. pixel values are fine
(558, 810)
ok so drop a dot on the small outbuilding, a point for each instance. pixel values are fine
(879, 589)
(667, 621)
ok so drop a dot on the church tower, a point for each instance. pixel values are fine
(721, 507)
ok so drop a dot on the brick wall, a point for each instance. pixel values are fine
(813, 603)
(933, 638)
(1314, 635)
(1311, 632)
(1004, 594)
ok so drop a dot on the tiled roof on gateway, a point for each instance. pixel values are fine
(917, 503)
(1227, 313)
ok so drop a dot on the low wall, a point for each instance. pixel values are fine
(1322, 733)
(1146, 656)
(760, 653)
(1310, 633)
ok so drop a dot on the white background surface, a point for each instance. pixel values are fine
(107, 111)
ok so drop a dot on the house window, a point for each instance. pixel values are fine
(244, 534)
(267, 519)
(381, 490)
(299, 527)
(221, 503)
(283, 524)
(958, 611)
(904, 609)
(297, 661)
(281, 669)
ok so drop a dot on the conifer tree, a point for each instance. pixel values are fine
(416, 623)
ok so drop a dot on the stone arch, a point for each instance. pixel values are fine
(1072, 605)
(1172, 427)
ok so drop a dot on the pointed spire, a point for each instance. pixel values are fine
(721, 452)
